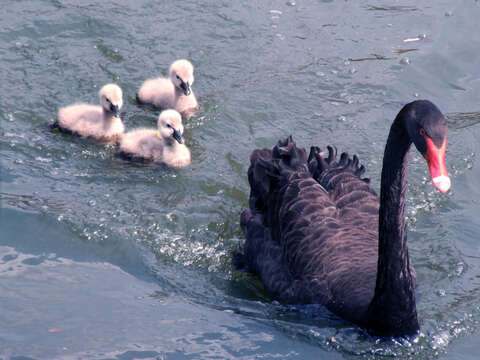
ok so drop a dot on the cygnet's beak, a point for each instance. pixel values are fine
(177, 136)
(185, 87)
(115, 110)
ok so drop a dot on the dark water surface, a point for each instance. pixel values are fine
(102, 259)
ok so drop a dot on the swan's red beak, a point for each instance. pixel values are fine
(435, 157)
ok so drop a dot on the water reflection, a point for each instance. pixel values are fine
(462, 120)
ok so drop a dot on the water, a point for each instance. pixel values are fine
(103, 259)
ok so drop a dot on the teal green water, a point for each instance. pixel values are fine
(103, 259)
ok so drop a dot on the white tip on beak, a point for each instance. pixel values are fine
(442, 183)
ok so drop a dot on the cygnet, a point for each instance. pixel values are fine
(101, 123)
(171, 93)
(162, 146)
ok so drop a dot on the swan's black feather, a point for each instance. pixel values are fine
(316, 233)
(307, 236)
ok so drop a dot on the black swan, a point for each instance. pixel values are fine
(316, 232)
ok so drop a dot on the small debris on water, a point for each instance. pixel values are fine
(54, 330)
(417, 38)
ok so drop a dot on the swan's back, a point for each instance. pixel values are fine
(159, 92)
(89, 121)
(142, 145)
(81, 117)
(311, 229)
(145, 145)
(100, 123)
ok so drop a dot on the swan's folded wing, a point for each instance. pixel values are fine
(304, 227)
(329, 248)
(357, 203)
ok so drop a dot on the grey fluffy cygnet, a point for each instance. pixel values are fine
(162, 146)
(101, 123)
(171, 93)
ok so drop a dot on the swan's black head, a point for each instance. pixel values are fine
(427, 128)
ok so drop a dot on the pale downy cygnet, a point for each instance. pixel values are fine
(164, 145)
(100, 123)
(171, 93)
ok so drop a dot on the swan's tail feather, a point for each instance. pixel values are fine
(268, 169)
(239, 258)
(261, 256)
(287, 156)
(270, 165)
(332, 154)
(324, 169)
(244, 217)
(259, 175)
(252, 226)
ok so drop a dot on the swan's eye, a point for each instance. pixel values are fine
(422, 132)
(178, 77)
(108, 100)
(169, 126)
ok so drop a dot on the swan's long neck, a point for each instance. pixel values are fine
(392, 311)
